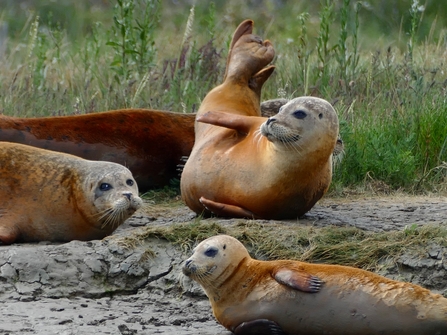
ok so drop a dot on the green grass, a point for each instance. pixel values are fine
(383, 65)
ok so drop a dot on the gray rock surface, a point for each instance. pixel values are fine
(106, 287)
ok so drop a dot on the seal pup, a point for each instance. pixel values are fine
(150, 143)
(245, 165)
(291, 297)
(52, 196)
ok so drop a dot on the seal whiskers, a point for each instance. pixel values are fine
(60, 197)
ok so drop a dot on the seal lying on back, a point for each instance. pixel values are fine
(51, 196)
(291, 297)
(150, 143)
(245, 165)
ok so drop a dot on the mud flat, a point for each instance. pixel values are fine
(105, 287)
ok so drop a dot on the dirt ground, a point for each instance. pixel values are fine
(61, 288)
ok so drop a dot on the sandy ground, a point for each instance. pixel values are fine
(96, 288)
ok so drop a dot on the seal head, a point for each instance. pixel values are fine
(51, 196)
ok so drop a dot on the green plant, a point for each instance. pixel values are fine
(324, 50)
(133, 38)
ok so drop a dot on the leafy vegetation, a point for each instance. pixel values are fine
(380, 62)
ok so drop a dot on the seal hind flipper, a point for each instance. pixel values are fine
(246, 27)
(240, 123)
(8, 234)
(259, 327)
(257, 81)
(226, 210)
(298, 280)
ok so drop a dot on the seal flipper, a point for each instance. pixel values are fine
(240, 123)
(259, 327)
(8, 234)
(245, 28)
(226, 210)
(255, 83)
(298, 280)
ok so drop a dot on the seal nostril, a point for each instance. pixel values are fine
(127, 195)
(270, 120)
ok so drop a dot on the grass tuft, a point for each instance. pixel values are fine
(332, 245)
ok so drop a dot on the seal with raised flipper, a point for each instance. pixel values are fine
(249, 296)
(52, 196)
(245, 165)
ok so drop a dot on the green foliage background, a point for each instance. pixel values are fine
(381, 63)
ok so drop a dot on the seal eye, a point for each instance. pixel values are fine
(129, 182)
(105, 187)
(211, 252)
(299, 114)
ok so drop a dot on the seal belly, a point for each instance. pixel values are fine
(330, 312)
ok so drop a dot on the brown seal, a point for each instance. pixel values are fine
(252, 167)
(291, 297)
(52, 196)
(245, 165)
(149, 142)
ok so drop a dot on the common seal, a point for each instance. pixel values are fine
(245, 165)
(291, 297)
(149, 142)
(52, 196)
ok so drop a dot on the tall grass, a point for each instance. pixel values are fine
(383, 70)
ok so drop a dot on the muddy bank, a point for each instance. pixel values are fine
(104, 287)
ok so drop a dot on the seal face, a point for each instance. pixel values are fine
(245, 165)
(301, 119)
(291, 297)
(50, 196)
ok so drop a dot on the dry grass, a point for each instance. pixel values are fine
(333, 245)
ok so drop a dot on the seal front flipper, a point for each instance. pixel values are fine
(226, 210)
(259, 327)
(298, 280)
(240, 123)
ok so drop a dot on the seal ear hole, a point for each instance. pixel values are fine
(320, 115)
(105, 187)
(129, 182)
(211, 252)
(300, 114)
(224, 246)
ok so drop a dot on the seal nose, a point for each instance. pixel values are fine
(188, 268)
(270, 120)
(128, 195)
